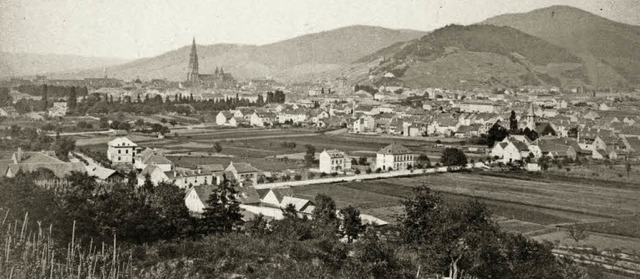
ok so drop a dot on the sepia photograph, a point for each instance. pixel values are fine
(294, 139)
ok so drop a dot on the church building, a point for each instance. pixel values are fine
(219, 79)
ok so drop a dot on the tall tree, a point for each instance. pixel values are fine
(453, 157)
(351, 223)
(325, 210)
(310, 154)
(222, 211)
(513, 122)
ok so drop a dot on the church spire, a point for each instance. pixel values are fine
(192, 74)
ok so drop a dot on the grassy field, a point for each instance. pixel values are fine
(625, 227)
(530, 206)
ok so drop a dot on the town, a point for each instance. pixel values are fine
(397, 165)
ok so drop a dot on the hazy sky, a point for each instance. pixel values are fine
(143, 28)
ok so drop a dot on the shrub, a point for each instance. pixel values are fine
(357, 171)
(297, 177)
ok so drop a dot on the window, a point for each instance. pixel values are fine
(127, 151)
(119, 151)
(119, 157)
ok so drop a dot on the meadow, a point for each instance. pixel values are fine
(531, 206)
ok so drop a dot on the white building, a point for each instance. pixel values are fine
(395, 157)
(59, 109)
(334, 161)
(121, 150)
(226, 118)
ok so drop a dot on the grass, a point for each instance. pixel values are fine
(34, 254)
(626, 227)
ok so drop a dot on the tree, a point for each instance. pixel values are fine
(351, 223)
(63, 146)
(325, 210)
(173, 122)
(513, 122)
(72, 100)
(168, 203)
(258, 226)
(423, 160)
(217, 147)
(290, 211)
(310, 154)
(577, 232)
(453, 157)
(496, 133)
(362, 161)
(222, 212)
(627, 167)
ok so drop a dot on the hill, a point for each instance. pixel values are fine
(473, 56)
(303, 57)
(29, 64)
(610, 50)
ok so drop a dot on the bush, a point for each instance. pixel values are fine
(297, 177)
(369, 170)
(357, 171)
(167, 251)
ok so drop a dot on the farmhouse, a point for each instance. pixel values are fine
(121, 150)
(261, 119)
(151, 157)
(334, 161)
(226, 118)
(395, 157)
(243, 172)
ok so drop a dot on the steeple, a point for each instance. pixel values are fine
(531, 118)
(192, 72)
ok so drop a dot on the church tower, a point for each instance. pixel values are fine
(531, 118)
(192, 75)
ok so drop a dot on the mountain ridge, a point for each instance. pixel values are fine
(610, 49)
(304, 57)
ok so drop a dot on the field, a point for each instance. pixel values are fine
(533, 207)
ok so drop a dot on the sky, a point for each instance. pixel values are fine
(134, 29)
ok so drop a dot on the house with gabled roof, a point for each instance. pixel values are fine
(261, 119)
(151, 157)
(226, 118)
(197, 196)
(242, 172)
(32, 161)
(510, 150)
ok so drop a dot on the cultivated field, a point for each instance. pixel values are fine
(530, 207)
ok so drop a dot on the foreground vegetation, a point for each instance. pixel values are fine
(153, 236)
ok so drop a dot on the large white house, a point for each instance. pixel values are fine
(395, 157)
(121, 150)
(334, 161)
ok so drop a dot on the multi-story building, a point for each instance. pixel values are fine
(334, 161)
(395, 157)
(122, 150)
(243, 172)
